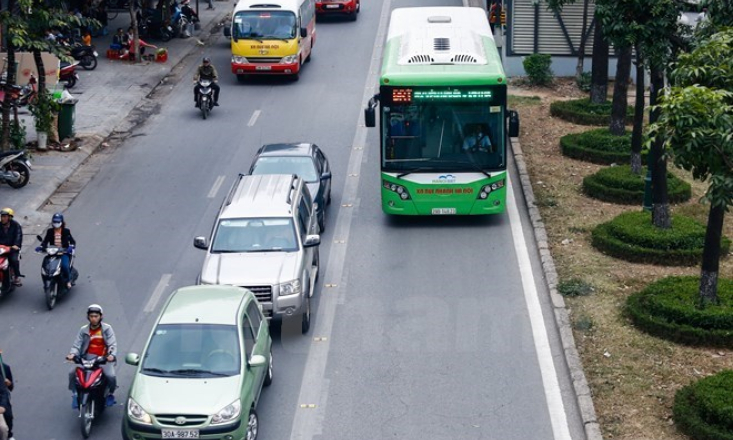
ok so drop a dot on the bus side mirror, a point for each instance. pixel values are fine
(303, 32)
(228, 32)
(513, 117)
(369, 114)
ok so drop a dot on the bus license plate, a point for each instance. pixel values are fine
(180, 433)
(263, 68)
(444, 211)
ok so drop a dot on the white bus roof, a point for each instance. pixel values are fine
(285, 5)
(440, 35)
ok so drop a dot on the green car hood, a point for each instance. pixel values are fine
(167, 395)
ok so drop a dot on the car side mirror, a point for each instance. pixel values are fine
(257, 361)
(326, 175)
(303, 32)
(200, 243)
(312, 240)
(132, 359)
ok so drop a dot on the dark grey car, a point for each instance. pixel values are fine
(304, 159)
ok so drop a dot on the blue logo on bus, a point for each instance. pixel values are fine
(445, 178)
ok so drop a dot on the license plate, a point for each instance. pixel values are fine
(444, 211)
(263, 68)
(28, 163)
(180, 433)
(332, 6)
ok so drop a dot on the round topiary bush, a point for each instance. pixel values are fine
(597, 146)
(669, 309)
(632, 237)
(619, 185)
(704, 409)
(584, 112)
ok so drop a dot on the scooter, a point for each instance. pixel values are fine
(91, 391)
(86, 55)
(54, 284)
(205, 99)
(6, 281)
(67, 74)
(15, 168)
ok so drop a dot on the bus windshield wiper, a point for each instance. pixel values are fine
(471, 164)
(416, 170)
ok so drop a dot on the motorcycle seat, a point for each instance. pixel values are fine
(10, 153)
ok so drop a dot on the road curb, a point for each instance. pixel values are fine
(583, 394)
(91, 143)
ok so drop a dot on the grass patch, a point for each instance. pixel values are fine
(704, 409)
(619, 185)
(669, 309)
(574, 287)
(517, 100)
(632, 237)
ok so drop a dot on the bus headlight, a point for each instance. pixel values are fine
(239, 60)
(290, 59)
(397, 189)
(487, 189)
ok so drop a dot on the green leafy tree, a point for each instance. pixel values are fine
(696, 126)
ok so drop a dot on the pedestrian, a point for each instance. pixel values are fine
(7, 382)
(211, 5)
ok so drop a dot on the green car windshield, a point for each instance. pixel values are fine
(193, 350)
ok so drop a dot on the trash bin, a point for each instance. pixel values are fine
(67, 114)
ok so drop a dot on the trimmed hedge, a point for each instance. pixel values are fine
(631, 236)
(619, 185)
(668, 309)
(584, 112)
(598, 146)
(704, 410)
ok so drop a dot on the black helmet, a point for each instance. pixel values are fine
(57, 218)
(207, 60)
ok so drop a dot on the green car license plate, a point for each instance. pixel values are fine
(180, 433)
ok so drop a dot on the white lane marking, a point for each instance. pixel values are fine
(155, 297)
(214, 189)
(553, 396)
(253, 119)
(314, 387)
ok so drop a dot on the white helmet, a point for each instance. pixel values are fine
(95, 308)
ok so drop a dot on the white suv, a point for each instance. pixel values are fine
(265, 238)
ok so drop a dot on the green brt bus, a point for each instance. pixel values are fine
(442, 106)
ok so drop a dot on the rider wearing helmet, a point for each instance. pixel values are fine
(95, 339)
(59, 235)
(206, 70)
(11, 234)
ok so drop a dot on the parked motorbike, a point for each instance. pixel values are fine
(67, 74)
(206, 97)
(91, 391)
(54, 284)
(189, 13)
(149, 25)
(15, 168)
(6, 280)
(86, 55)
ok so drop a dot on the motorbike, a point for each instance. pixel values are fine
(6, 281)
(206, 97)
(67, 74)
(91, 391)
(86, 55)
(54, 284)
(15, 168)
(188, 12)
(151, 26)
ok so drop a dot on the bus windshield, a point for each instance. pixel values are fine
(451, 136)
(259, 25)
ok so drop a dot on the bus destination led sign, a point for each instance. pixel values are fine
(452, 95)
(401, 95)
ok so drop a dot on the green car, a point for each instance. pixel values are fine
(203, 368)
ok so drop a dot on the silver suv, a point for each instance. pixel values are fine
(265, 239)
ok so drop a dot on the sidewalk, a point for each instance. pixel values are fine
(107, 96)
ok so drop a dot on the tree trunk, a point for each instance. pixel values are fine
(621, 92)
(711, 257)
(599, 74)
(583, 39)
(660, 204)
(135, 33)
(41, 71)
(636, 135)
(9, 82)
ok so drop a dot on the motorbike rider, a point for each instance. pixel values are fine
(59, 235)
(95, 339)
(11, 234)
(206, 70)
(6, 377)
